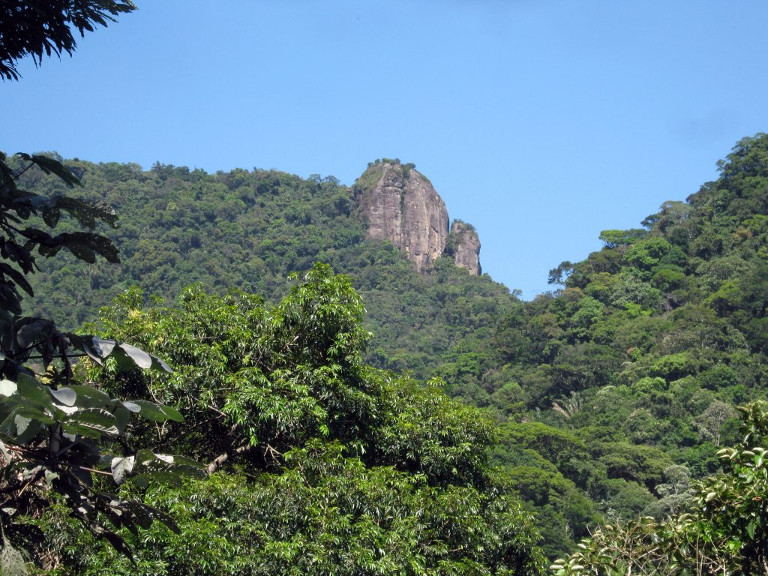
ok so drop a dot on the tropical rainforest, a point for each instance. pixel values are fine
(248, 384)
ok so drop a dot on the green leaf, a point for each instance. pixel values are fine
(31, 390)
(96, 419)
(90, 397)
(122, 467)
(132, 406)
(103, 347)
(35, 413)
(87, 213)
(164, 467)
(87, 430)
(122, 418)
(127, 355)
(751, 529)
(49, 165)
(16, 277)
(158, 413)
(66, 396)
(85, 245)
(141, 359)
(24, 429)
(51, 216)
(33, 332)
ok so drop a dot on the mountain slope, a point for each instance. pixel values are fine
(250, 231)
(611, 393)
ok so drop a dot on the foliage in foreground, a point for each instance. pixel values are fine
(321, 464)
(56, 432)
(615, 391)
(724, 531)
(40, 29)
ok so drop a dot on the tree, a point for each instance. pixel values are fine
(560, 274)
(40, 29)
(724, 530)
(57, 433)
(321, 464)
(19, 240)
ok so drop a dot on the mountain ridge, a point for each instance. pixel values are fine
(621, 379)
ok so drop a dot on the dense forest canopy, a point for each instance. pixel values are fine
(340, 412)
(609, 396)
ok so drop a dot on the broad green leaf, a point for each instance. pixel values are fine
(122, 418)
(91, 397)
(85, 246)
(121, 467)
(26, 429)
(64, 395)
(163, 364)
(12, 562)
(32, 332)
(17, 277)
(51, 217)
(132, 406)
(103, 347)
(95, 418)
(31, 390)
(87, 213)
(158, 413)
(141, 358)
(86, 430)
(49, 165)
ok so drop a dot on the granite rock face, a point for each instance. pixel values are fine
(402, 206)
(465, 247)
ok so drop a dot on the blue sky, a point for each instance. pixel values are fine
(541, 122)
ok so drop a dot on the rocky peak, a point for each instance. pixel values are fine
(402, 206)
(464, 245)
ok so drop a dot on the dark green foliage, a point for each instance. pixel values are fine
(323, 464)
(41, 29)
(250, 230)
(644, 352)
(56, 432)
(723, 530)
(641, 354)
(326, 514)
(20, 214)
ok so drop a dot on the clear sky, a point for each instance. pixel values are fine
(541, 122)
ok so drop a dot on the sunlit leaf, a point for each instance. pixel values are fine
(66, 396)
(158, 413)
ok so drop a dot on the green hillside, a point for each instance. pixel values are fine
(625, 379)
(608, 397)
(248, 231)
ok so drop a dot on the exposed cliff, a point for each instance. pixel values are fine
(402, 206)
(464, 245)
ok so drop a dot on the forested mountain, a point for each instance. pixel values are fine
(604, 399)
(248, 231)
(629, 374)
(251, 417)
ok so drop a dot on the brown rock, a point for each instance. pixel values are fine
(402, 206)
(464, 246)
